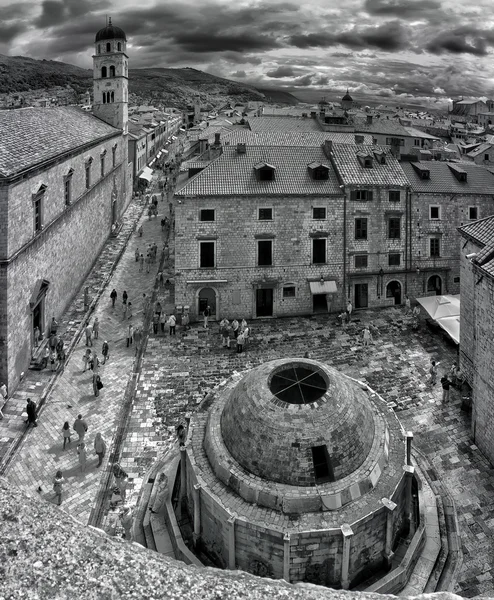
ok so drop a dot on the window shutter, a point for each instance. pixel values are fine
(353, 195)
(369, 196)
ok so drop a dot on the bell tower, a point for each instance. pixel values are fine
(111, 77)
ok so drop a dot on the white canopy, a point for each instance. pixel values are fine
(445, 310)
(452, 326)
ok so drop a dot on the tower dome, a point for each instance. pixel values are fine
(110, 32)
(347, 97)
(298, 422)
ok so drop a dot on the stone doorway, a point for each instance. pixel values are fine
(207, 297)
(393, 290)
(264, 302)
(435, 284)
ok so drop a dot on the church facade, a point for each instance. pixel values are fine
(64, 182)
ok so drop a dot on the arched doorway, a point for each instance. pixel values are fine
(435, 284)
(207, 297)
(393, 290)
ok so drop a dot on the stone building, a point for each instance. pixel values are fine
(259, 232)
(63, 184)
(445, 196)
(477, 324)
(297, 472)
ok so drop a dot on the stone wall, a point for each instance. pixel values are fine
(258, 550)
(315, 556)
(477, 348)
(63, 252)
(48, 555)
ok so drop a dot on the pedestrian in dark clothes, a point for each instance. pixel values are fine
(58, 482)
(31, 413)
(137, 254)
(130, 335)
(141, 262)
(96, 328)
(113, 297)
(66, 433)
(105, 351)
(80, 427)
(158, 308)
(433, 372)
(156, 322)
(446, 383)
(240, 342)
(124, 297)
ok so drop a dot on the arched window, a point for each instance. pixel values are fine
(108, 47)
(113, 96)
(434, 284)
(103, 72)
(104, 97)
(99, 48)
(112, 71)
(119, 46)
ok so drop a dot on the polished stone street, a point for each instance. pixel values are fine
(176, 373)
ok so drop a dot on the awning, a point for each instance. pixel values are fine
(146, 176)
(452, 327)
(441, 306)
(152, 162)
(322, 287)
(159, 154)
(174, 137)
(165, 151)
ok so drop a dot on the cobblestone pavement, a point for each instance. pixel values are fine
(41, 454)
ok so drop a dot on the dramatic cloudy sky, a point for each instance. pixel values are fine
(421, 48)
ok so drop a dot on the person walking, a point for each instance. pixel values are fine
(225, 334)
(156, 322)
(172, 322)
(66, 433)
(141, 263)
(246, 332)
(59, 349)
(96, 328)
(140, 231)
(125, 296)
(105, 351)
(89, 335)
(86, 359)
(137, 254)
(82, 452)
(129, 310)
(127, 520)
(137, 339)
(240, 342)
(31, 413)
(80, 427)
(46, 357)
(349, 310)
(446, 383)
(99, 448)
(408, 305)
(113, 297)
(58, 482)
(366, 336)
(130, 335)
(206, 314)
(53, 360)
(97, 384)
(235, 328)
(163, 320)
(158, 308)
(121, 480)
(433, 373)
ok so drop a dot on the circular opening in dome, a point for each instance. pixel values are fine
(298, 384)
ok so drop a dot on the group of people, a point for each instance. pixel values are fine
(239, 332)
(453, 377)
(91, 361)
(149, 259)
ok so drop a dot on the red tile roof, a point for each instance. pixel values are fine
(442, 181)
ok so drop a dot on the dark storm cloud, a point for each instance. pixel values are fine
(55, 13)
(282, 71)
(219, 42)
(404, 9)
(303, 81)
(19, 10)
(9, 31)
(390, 36)
(463, 40)
(241, 74)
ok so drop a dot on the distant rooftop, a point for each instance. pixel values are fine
(283, 124)
(293, 138)
(442, 180)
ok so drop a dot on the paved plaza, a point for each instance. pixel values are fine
(177, 372)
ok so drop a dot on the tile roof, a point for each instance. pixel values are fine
(481, 231)
(442, 180)
(479, 150)
(208, 133)
(283, 124)
(352, 172)
(420, 134)
(382, 126)
(30, 136)
(292, 138)
(233, 174)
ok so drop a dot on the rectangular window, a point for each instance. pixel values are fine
(361, 195)
(318, 213)
(486, 157)
(68, 190)
(456, 280)
(361, 261)
(360, 229)
(88, 175)
(206, 255)
(394, 196)
(473, 213)
(206, 214)
(416, 142)
(394, 260)
(265, 253)
(394, 228)
(321, 461)
(318, 251)
(38, 215)
(114, 155)
(265, 214)
(435, 247)
(434, 213)
(102, 163)
(289, 291)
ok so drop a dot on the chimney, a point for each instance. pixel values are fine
(328, 147)
(241, 148)
(217, 139)
(369, 119)
(359, 139)
(216, 149)
(203, 145)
